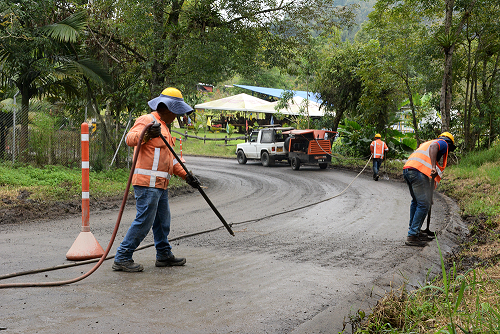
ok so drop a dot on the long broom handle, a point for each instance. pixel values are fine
(199, 187)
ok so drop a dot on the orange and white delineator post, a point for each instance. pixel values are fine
(85, 246)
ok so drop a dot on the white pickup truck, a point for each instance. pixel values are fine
(266, 145)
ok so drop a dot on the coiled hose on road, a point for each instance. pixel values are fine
(113, 236)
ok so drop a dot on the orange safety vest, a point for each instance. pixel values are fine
(378, 147)
(155, 163)
(421, 160)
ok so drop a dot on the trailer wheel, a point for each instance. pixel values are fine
(265, 159)
(295, 163)
(323, 165)
(242, 159)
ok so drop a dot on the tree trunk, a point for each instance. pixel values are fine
(24, 120)
(446, 90)
(466, 113)
(413, 112)
(447, 82)
(336, 119)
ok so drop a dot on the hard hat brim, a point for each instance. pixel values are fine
(174, 104)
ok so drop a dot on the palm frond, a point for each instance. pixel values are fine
(92, 70)
(68, 29)
(37, 105)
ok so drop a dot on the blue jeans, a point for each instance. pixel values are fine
(376, 165)
(152, 211)
(421, 199)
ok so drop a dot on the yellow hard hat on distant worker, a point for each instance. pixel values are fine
(448, 135)
(378, 135)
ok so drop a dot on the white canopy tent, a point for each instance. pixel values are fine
(240, 102)
(248, 103)
(295, 105)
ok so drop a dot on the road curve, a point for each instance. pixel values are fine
(277, 274)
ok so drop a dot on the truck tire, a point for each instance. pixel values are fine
(323, 165)
(265, 159)
(242, 159)
(295, 163)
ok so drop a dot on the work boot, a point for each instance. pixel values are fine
(171, 261)
(414, 240)
(430, 234)
(376, 177)
(425, 237)
(128, 266)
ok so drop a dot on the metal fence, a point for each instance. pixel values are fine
(61, 145)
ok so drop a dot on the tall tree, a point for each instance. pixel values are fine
(338, 81)
(402, 38)
(482, 80)
(39, 52)
(449, 17)
(182, 43)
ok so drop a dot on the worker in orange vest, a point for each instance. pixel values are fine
(378, 149)
(155, 165)
(421, 172)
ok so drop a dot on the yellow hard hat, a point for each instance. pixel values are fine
(378, 135)
(448, 135)
(172, 98)
(171, 91)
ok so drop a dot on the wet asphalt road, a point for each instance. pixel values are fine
(276, 274)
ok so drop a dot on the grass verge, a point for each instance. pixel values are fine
(58, 183)
(465, 298)
(209, 147)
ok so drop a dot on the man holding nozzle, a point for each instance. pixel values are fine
(421, 172)
(155, 165)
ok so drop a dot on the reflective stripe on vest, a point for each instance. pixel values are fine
(376, 153)
(421, 160)
(153, 173)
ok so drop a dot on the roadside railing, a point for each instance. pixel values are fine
(204, 138)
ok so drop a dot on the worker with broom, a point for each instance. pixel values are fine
(422, 173)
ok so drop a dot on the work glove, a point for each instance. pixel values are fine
(154, 131)
(192, 180)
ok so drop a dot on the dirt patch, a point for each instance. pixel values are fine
(479, 248)
(23, 209)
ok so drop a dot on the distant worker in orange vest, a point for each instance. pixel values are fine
(155, 165)
(419, 172)
(378, 149)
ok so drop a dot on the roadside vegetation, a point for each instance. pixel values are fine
(209, 147)
(465, 298)
(58, 183)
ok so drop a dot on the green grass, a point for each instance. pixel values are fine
(459, 301)
(209, 147)
(475, 185)
(59, 183)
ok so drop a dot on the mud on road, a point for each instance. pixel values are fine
(284, 271)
